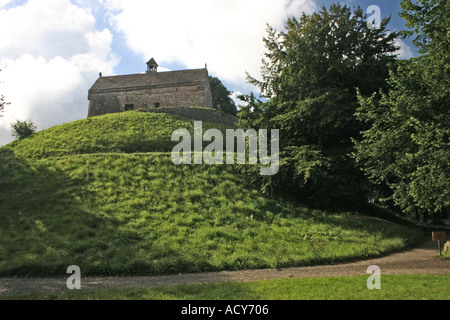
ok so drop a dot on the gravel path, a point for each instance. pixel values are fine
(421, 260)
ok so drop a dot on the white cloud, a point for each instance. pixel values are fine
(3, 3)
(44, 27)
(405, 51)
(225, 34)
(50, 56)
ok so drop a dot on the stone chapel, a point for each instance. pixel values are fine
(150, 90)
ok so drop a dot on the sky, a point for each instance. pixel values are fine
(51, 51)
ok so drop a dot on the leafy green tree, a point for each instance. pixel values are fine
(3, 103)
(251, 114)
(221, 97)
(428, 21)
(407, 144)
(23, 129)
(310, 75)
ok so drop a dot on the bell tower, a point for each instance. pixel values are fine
(152, 66)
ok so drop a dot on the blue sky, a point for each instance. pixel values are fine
(51, 51)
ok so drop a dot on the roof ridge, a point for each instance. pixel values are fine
(150, 79)
(154, 73)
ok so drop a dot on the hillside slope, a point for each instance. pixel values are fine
(103, 194)
(126, 132)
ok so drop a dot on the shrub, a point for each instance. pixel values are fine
(23, 129)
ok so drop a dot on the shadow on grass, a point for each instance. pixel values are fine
(50, 220)
(44, 226)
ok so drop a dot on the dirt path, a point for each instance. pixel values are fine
(421, 260)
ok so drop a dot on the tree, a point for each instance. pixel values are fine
(23, 129)
(428, 22)
(407, 144)
(310, 75)
(3, 103)
(221, 97)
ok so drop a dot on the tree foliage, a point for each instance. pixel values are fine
(221, 97)
(3, 103)
(428, 21)
(310, 75)
(23, 129)
(407, 144)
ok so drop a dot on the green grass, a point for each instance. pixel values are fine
(398, 287)
(78, 194)
(126, 132)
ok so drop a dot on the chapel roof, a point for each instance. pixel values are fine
(150, 80)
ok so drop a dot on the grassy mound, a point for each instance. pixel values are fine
(127, 132)
(93, 193)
